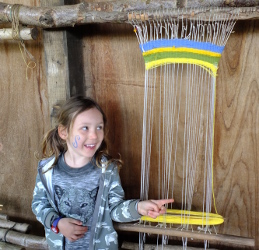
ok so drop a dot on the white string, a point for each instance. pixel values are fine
(178, 115)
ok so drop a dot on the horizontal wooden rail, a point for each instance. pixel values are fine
(21, 239)
(212, 237)
(6, 246)
(117, 12)
(20, 227)
(24, 34)
(131, 245)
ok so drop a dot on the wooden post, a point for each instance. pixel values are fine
(55, 48)
(75, 58)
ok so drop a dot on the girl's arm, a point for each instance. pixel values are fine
(41, 206)
(121, 210)
(130, 210)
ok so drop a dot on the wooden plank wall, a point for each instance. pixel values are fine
(24, 119)
(114, 75)
(236, 136)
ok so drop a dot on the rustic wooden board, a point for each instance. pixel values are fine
(236, 133)
(24, 119)
(56, 59)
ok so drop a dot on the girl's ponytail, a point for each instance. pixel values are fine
(52, 144)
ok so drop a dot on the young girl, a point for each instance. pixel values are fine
(78, 190)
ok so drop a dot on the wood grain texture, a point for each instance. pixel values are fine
(24, 120)
(20, 227)
(211, 237)
(56, 55)
(26, 240)
(61, 15)
(236, 136)
(24, 34)
(6, 246)
(134, 246)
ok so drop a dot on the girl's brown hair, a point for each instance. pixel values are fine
(52, 144)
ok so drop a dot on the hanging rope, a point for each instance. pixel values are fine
(26, 55)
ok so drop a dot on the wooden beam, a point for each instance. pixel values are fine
(24, 34)
(4, 217)
(26, 240)
(7, 246)
(229, 239)
(20, 227)
(117, 12)
(130, 245)
(55, 50)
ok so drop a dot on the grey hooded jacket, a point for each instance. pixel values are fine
(110, 205)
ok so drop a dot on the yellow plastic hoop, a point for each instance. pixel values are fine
(175, 216)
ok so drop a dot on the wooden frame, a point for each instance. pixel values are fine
(211, 237)
(117, 12)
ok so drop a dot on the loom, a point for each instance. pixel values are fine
(181, 61)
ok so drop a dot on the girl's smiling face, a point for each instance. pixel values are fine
(84, 138)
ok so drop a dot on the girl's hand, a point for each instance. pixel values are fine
(72, 229)
(153, 208)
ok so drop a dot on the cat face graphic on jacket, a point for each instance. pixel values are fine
(76, 203)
